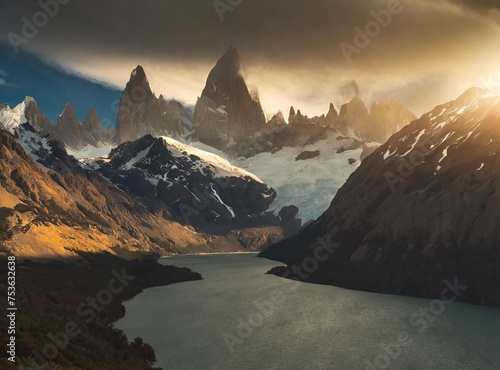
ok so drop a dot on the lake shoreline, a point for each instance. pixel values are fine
(67, 288)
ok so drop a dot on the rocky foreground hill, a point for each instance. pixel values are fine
(422, 209)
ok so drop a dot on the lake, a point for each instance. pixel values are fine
(239, 318)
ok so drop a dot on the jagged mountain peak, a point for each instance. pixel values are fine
(227, 113)
(226, 76)
(140, 112)
(357, 101)
(92, 122)
(279, 114)
(276, 120)
(36, 117)
(29, 99)
(13, 117)
(68, 111)
(92, 114)
(68, 127)
(356, 106)
(332, 111)
(230, 60)
(138, 85)
(138, 74)
(232, 52)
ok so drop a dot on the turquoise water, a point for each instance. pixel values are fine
(239, 318)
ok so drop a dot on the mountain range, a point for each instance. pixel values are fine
(228, 116)
(420, 210)
(52, 204)
(413, 210)
(178, 175)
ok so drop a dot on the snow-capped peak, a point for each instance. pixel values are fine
(221, 164)
(13, 117)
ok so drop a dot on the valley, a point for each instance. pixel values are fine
(242, 185)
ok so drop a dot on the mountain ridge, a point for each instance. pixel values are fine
(419, 210)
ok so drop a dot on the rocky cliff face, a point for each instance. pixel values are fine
(37, 118)
(328, 121)
(68, 127)
(92, 130)
(141, 113)
(421, 209)
(387, 118)
(277, 121)
(199, 188)
(226, 113)
(78, 135)
(354, 119)
(374, 125)
(332, 117)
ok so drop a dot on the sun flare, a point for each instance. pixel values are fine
(492, 85)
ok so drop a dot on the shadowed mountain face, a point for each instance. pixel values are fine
(68, 127)
(141, 113)
(422, 208)
(37, 118)
(92, 130)
(199, 188)
(74, 134)
(227, 113)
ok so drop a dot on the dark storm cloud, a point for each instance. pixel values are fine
(190, 28)
(282, 31)
(291, 47)
(480, 4)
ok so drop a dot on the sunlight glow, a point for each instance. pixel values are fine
(492, 85)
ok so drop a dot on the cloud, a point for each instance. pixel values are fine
(3, 82)
(480, 4)
(291, 48)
